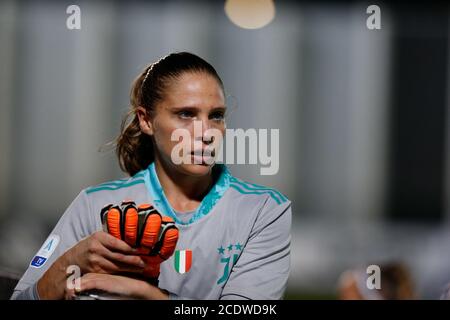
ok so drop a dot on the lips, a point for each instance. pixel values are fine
(203, 153)
(202, 157)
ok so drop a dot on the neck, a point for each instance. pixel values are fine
(183, 192)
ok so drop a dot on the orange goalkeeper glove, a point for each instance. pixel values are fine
(144, 228)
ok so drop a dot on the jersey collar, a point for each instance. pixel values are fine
(162, 204)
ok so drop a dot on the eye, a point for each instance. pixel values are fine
(185, 114)
(217, 116)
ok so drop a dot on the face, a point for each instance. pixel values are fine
(188, 122)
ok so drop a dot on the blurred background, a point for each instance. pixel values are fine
(363, 119)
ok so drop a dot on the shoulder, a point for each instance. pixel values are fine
(115, 191)
(255, 193)
(272, 214)
(117, 185)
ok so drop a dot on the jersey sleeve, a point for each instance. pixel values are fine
(75, 224)
(262, 270)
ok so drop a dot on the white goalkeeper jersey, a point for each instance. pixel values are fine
(235, 245)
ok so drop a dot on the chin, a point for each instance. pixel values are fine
(196, 169)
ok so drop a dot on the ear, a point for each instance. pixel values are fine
(144, 121)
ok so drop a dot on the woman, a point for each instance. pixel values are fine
(234, 236)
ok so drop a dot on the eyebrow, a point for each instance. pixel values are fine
(195, 108)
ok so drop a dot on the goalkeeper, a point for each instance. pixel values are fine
(230, 239)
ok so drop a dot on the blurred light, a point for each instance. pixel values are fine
(250, 14)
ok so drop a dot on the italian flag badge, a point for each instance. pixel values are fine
(183, 261)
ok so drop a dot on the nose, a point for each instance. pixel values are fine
(202, 132)
(208, 138)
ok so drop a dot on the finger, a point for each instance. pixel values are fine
(128, 260)
(151, 230)
(114, 244)
(90, 281)
(103, 214)
(151, 225)
(169, 238)
(113, 220)
(169, 242)
(126, 268)
(131, 223)
(113, 284)
(104, 265)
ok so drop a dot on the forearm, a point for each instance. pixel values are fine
(51, 286)
(155, 293)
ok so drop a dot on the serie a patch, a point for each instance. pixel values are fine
(45, 252)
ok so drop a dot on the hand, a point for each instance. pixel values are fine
(117, 285)
(103, 253)
(154, 236)
(100, 253)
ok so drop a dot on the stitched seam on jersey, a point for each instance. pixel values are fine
(126, 185)
(120, 182)
(271, 192)
(253, 186)
(252, 234)
(115, 182)
(237, 187)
